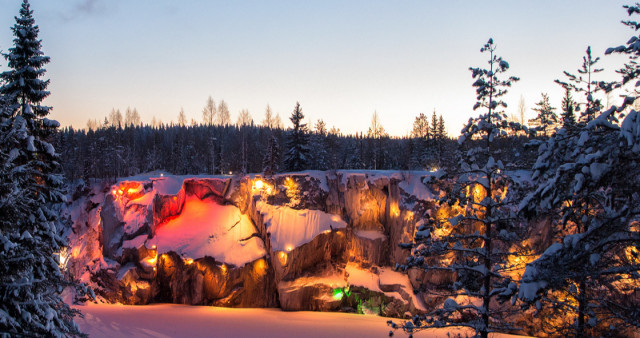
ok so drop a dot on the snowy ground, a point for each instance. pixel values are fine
(170, 320)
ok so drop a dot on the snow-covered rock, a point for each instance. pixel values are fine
(291, 240)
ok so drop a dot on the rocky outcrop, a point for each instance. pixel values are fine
(368, 215)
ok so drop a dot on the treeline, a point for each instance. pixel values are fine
(112, 152)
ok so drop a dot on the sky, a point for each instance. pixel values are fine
(342, 60)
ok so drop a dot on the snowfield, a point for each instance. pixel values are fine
(170, 320)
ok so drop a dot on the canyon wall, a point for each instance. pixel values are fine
(321, 241)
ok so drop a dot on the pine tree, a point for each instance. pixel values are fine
(434, 124)
(30, 188)
(442, 130)
(547, 118)
(297, 156)
(568, 108)
(318, 149)
(271, 161)
(440, 136)
(587, 176)
(478, 241)
(584, 83)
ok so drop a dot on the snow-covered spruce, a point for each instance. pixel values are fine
(30, 188)
(296, 157)
(587, 177)
(479, 241)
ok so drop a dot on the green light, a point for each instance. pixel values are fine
(338, 294)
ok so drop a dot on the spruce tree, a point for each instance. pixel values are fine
(587, 177)
(586, 84)
(318, 151)
(568, 109)
(296, 158)
(478, 242)
(271, 159)
(31, 187)
(547, 118)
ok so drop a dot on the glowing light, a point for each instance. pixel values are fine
(223, 267)
(154, 247)
(478, 193)
(409, 215)
(260, 267)
(189, 261)
(633, 255)
(231, 173)
(395, 211)
(121, 191)
(282, 257)
(338, 294)
(289, 183)
(289, 248)
(260, 185)
(161, 174)
(63, 258)
(175, 198)
(113, 192)
(152, 260)
(335, 218)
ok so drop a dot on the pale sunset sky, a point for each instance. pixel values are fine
(342, 60)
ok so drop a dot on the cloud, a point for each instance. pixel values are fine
(85, 8)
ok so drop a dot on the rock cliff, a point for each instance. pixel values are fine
(322, 241)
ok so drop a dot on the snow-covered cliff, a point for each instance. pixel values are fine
(301, 241)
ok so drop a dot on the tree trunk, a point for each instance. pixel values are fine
(582, 300)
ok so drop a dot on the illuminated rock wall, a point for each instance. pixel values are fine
(332, 229)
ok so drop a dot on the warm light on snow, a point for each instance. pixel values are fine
(261, 186)
(205, 228)
(291, 228)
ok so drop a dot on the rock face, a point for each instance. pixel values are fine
(321, 241)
